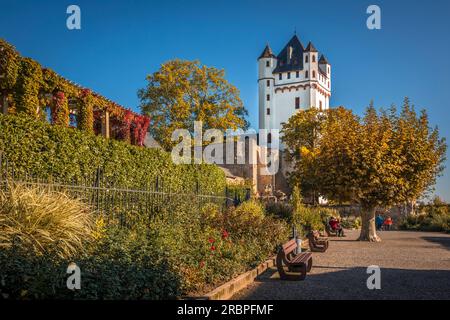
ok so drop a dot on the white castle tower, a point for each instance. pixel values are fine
(296, 79)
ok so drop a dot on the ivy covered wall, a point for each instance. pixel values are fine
(39, 148)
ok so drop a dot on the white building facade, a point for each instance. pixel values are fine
(296, 79)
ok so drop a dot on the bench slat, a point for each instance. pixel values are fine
(289, 244)
(301, 258)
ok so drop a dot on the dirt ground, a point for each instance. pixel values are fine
(414, 265)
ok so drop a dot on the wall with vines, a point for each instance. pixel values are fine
(44, 150)
(27, 87)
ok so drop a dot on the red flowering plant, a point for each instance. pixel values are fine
(60, 109)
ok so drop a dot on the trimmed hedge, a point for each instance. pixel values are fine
(38, 148)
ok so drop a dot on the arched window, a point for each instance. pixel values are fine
(306, 74)
(313, 58)
(306, 59)
(314, 74)
(269, 138)
(267, 63)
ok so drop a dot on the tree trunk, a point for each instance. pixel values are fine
(410, 208)
(368, 230)
(4, 104)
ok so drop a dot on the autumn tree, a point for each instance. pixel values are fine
(182, 92)
(379, 160)
(301, 134)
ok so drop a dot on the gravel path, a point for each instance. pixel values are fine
(414, 265)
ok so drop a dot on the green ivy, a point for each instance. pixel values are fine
(38, 148)
(86, 112)
(9, 65)
(28, 85)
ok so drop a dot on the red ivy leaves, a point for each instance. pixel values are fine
(225, 234)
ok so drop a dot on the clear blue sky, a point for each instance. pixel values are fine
(122, 41)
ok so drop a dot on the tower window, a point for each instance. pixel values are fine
(268, 97)
(268, 83)
(289, 75)
(306, 59)
(297, 103)
(320, 105)
(268, 111)
(328, 69)
(314, 74)
(269, 138)
(297, 74)
(306, 74)
(280, 76)
(267, 63)
(313, 58)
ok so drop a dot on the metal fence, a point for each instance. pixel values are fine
(113, 201)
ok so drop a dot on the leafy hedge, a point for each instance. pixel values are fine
(38, 148)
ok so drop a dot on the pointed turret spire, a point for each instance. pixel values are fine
(267, 53)
(323, 60)
(310, 48)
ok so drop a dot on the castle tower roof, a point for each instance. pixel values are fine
(291, 57)
(267, 53)
(310, 48)
(323, 60)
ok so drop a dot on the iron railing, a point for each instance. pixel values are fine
(111, 200)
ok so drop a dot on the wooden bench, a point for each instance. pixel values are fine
(316, 242)
(297, 264)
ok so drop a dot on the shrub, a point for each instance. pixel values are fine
(433, 217)
(351, 222)
(306, 219)
(43, 222)
(182, 250)
(247, 212)
(281, 210)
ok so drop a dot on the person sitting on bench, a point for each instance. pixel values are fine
(336, 226)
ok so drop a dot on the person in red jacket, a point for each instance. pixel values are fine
(388, 223)
(336, 226)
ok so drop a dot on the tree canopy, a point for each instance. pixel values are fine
(182, 92)
(383, 159)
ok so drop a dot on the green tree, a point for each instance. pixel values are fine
(301, 134)
(182, 92)
(382, 159)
